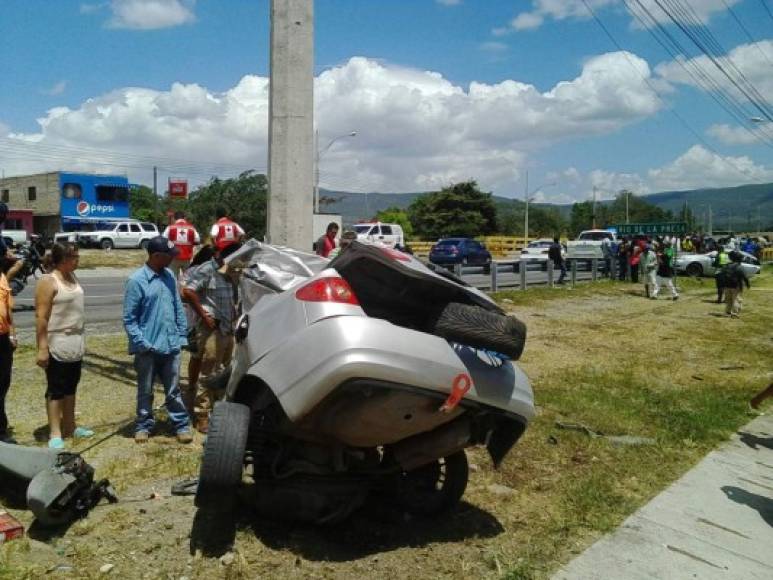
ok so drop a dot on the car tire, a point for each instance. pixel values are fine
(435, 487)
(144, 244)
(106, 244)
(479, 328)
(223, 461)
(694, 270)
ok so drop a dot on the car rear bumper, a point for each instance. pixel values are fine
(313, 362)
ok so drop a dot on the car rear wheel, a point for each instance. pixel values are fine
(223, 461)
(106, 244)
(434, 487)
(144, 244)
(694, 270)
(479, 328)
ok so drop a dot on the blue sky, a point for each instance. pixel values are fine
(438, 91)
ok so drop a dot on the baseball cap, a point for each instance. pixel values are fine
(162, 245)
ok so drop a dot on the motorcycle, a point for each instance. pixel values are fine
(367, 374)
(32, 263)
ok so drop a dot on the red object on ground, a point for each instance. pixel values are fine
(10, 527)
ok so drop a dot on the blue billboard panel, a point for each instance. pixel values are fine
(93, 197)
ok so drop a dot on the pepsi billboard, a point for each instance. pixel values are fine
(93, 197)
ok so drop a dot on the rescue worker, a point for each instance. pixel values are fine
(225, 231)
(184, 236)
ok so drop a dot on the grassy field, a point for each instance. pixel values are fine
(94, 258)
(601, 356)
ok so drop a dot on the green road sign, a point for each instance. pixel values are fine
(653, 229)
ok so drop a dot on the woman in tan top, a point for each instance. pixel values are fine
(59, 323)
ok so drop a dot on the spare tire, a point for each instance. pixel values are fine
(479, 328)
(223, 461)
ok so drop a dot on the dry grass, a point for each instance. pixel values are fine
(94, 258)
(600, 355)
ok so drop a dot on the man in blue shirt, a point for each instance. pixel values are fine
(154, 320)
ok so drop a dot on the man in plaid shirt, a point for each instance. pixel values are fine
(212, 291)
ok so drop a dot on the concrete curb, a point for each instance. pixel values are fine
(715, 522)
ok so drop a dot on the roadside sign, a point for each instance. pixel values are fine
(655, 229)
(178, 188)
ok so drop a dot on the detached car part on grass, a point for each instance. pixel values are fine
(60, 484)
(370, 373)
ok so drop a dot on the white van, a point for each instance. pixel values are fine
(388, 234)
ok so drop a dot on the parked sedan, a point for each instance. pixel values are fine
(538, 249)
(464, 251)
(703, 264)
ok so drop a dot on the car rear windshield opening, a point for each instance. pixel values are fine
(447, 243)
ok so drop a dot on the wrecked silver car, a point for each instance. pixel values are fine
(369, 373)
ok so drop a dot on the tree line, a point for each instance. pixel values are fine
(460, 209)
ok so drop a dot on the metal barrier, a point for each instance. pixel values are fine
(516, 273)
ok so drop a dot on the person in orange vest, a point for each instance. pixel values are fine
(183, 235)
(225, 231)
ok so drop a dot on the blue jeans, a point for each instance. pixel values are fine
(167, 367)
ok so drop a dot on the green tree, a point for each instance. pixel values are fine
(458, 210)
(143, 205)
(243, 197)
(395, 215)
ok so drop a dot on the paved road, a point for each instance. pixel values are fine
(104, 299)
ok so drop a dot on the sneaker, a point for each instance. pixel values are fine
(141, 437)
(184, 436)
(202, 425)
(56, 443)
(82, 433)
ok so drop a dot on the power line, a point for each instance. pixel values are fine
(702, 79)
(701, 44)
(753, 40)
(681, 119)
(767, 8)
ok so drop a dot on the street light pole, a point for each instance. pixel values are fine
(527, 199)
(318, 156)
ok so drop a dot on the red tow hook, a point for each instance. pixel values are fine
(461, 386)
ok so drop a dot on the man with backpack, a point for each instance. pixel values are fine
(554, 254)
(734, 280)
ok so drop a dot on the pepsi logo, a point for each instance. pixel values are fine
(82, 208)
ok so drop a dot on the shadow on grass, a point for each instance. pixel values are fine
(110, 368)
(763, 505)
(373, 529)
(754, 441)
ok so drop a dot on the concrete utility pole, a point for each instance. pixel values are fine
(594, 207)
(291, 124)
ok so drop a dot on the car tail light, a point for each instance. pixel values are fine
(327, 290)
(396, 254)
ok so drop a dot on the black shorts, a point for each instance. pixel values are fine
(63, 378)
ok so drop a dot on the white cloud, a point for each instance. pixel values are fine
(416, 130)
(494, 47)
(733, 135)
(527, 21)
(699, 167)
(577, 10)
(753, 60)
(151, 14)
(56, 89)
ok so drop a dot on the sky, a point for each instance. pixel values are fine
(546, 98)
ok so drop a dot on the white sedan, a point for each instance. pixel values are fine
(538, 250)
(703, 264)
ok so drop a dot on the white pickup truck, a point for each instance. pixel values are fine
(588, 244)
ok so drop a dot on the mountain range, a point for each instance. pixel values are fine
(744, 207)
